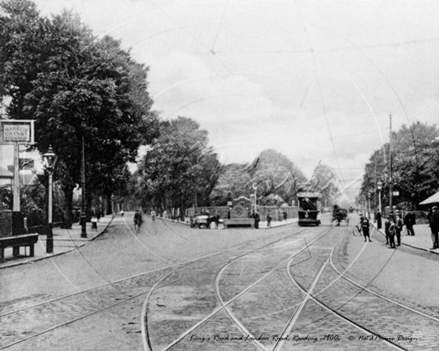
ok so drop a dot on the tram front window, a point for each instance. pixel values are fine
(307, 205)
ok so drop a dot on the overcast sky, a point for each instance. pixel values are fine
(314, 80)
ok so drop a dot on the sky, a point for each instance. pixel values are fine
(314, 80)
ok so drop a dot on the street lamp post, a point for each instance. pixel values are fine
(49, 159)
(379, 188)
(369, 204)
(255, 187)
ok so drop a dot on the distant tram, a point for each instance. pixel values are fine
(308, 208)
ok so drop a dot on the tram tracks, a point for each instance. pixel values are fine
(84, 307)
(309, 296)
(225, 303)
(372, 314)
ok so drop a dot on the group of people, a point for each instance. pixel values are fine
(393, 230)
(394, 227)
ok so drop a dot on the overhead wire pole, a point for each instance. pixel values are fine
(83, 192)
(391, 164)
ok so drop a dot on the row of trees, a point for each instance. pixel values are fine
(80, 90)
(180, 170)
(87, 92)
(414, 171)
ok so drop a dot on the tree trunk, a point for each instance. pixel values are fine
(108, 198)
(68, 197)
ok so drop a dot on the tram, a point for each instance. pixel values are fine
(309, 205)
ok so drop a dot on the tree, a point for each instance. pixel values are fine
(415, 165)
(179, 169)
(274, 175)
(324, 180)
(80, 90)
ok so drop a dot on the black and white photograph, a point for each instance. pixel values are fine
(229, 175)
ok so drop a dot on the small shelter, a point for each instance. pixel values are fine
(5, 177)
(5, 174)
(433, 199)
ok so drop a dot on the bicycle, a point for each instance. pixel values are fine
(357, 230)
(137, 225)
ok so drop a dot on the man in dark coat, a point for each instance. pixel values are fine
(433, 224)
(366, 229)
(379, 219)
(398, 231)
(387, 228)
(269, 219)
(256, 220)
(409, 220)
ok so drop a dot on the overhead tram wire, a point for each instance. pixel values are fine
(219, 26)
(392, 88)
(320, 90)
(201, 43)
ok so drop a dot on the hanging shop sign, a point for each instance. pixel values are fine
(17, 131)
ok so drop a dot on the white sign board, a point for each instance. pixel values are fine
(15, 131)
(308, 194)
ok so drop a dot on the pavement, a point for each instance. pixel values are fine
(64, 240)
(421, 240)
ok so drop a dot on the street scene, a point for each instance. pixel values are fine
(199, 175)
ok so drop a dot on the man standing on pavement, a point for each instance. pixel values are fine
(398, 230)
(387, 229)
(366, 229)
(433, 224)
(379, 219)
(392, 232)
(409, 222)
(153, 214)
(269, 219)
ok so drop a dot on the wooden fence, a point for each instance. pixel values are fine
(275, 211)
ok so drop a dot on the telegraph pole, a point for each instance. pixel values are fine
(83, 193)
(391, 168)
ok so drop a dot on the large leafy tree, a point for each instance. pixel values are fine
(179, 169)
(415, 165)
(81, 90)
(325, 181)
(275, 177)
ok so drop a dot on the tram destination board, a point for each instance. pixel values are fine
(310, 194)
(14, 131)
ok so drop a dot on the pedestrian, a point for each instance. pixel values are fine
(392, 232)
(137, 220)
(409, 220)
(285, 215)
(269, 219)
(94, 221)
(379, 219)
(387, 228)
(366, 229)
(216, 219)
(433, 224)
(257, 220)
(398, 230)
(153, 214)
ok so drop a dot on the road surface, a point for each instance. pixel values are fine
(170, 287)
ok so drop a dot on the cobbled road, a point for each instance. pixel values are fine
(170, 287)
